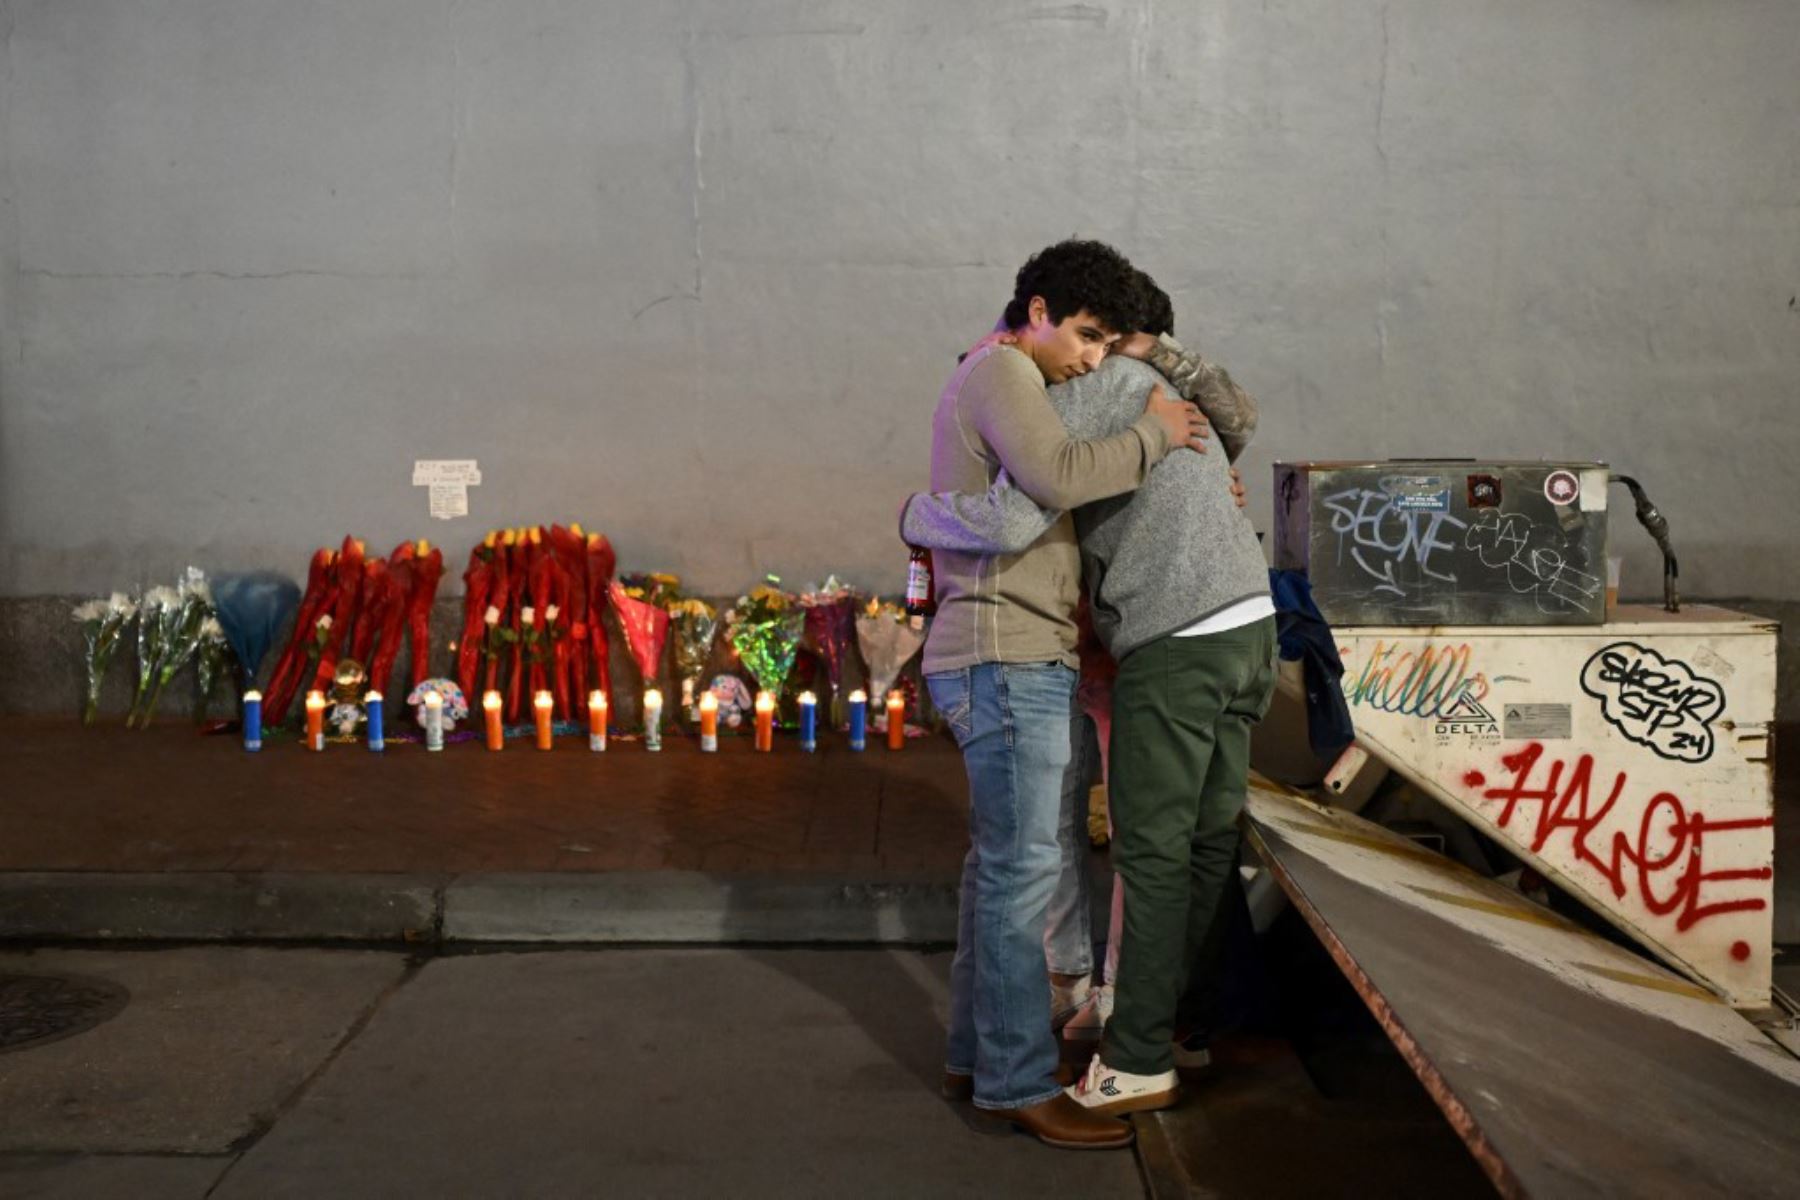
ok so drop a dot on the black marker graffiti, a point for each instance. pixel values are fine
(1513, 542)
(1655, 701)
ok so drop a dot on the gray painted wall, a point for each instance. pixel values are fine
(694, 272)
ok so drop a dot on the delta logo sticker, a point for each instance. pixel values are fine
(1467, 716)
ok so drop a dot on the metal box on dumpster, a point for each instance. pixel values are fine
(1446, 541)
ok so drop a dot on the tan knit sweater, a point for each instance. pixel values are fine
(1019, 607)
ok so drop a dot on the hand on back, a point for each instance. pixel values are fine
(1183, 422)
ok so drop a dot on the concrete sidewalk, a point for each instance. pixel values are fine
(116, 834)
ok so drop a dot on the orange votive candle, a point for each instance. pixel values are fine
(315, 720)
(765, 721)
(490, 708)
(896, 713)
(541, 704)
(709, 722)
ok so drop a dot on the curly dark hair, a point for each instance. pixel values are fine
(1159, 311)
(1076, 275)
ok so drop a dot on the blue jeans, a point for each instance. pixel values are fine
(1012, 722)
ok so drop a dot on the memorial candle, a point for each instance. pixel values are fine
(490, 714)
(596, 721)
(434, 721)
(859, 719)
(652, 719)
(541, 704)
(253, 720)
(765, 721)
(372, 708)
(315, 720)
(896, 713)
(809, 725)
(709, 722)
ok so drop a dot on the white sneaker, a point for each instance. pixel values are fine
(1065, 1002)
(1086, 1023)
(1106, 1092)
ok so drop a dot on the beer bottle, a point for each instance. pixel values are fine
(921, 588)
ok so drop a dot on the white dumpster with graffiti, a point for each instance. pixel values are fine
(1627, 761)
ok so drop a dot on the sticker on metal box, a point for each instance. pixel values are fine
(1538, 722)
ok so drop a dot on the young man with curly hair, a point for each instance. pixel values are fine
(1180, 598)
(1000, 662)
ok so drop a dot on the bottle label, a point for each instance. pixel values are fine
(918, 581)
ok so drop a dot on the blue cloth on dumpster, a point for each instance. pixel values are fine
(1306, 637)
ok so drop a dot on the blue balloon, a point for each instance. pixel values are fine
(253, 606)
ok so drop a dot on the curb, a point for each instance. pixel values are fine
(602, 907)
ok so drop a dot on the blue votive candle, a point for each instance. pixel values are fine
(859, 719)
(809, 722)
(372, 708)
(253, 720)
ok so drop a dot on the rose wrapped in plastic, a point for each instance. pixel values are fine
(830, 624)
(635, 599)
(888, 641)
(103, 625)
(478, 580)
(764, 628)
(694, 623)
(179, 614)
(315, 608)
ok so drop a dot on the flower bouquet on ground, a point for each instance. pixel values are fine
(251, 609)
(765, 627)
(600, 560)
(103, 624)
(639, 601)
(311, 627)
(830, 624)
(694, 623)
(211, 659)
(478, 584)
(888, 641)
(168, 635)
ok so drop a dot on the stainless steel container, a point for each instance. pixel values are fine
(1446, 541)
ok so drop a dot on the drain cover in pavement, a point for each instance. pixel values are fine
(35, 1009)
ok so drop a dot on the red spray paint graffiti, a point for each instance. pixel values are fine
(1666, 852)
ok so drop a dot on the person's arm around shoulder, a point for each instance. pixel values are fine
(1229, 407)
(1003, 400)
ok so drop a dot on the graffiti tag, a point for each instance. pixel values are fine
(1386, 532)
(1432, 681)
(1663, 859)
(1655, 701)
(1512, 542)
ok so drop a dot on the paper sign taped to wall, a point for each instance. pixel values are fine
(428, 471)
(449, 500)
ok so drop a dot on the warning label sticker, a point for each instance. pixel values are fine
(1537, 722)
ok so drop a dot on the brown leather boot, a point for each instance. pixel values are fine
(1062, 1123)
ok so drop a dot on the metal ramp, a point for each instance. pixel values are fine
(1569, 1065)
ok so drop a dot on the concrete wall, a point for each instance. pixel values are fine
(694, 272)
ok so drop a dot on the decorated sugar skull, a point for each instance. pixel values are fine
(456, 707)
(735, 700)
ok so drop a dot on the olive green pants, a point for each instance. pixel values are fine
(1183, 708)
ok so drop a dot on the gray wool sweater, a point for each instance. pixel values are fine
(1156, 560)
